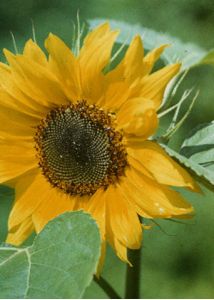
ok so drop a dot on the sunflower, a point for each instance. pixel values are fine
(74, 137)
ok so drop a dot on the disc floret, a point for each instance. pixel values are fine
(79, 149)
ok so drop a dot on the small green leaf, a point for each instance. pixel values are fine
(60, 263)
(199, 147)
(200, 140)
(189, 54)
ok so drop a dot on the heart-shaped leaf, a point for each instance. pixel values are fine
(59, 264)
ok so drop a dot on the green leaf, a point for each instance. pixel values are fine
(201, 173)
(199, 140)
(189, 54)
(199, 147)
(60, 263)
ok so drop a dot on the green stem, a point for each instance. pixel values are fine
(133, 275)
(106, 287)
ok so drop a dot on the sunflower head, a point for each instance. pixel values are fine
(73, 137)
(79, 149)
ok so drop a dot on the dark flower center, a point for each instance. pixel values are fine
(79, 150)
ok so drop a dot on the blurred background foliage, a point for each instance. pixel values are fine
(178, 259)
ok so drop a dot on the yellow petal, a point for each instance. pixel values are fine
(97, 208)
(35, 53)
(35, 80)
(164, 168)
(81, 202)
(16, 158)
(94, 56)
(133, 194)
(17, 146)
(150, 59)
(11, 170)
(122, 218)
(12, 96)
(133, 61)
(54, 203)
(130, 68)
(101, 259)
(16, 123)
(153, 86)
(96, 51)
(154, 199)
(138, 166)
(138, 117)
(115, 95)
(21, 233)
(8, 101)
(65, 65)
(121, 251)
(31, 189)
